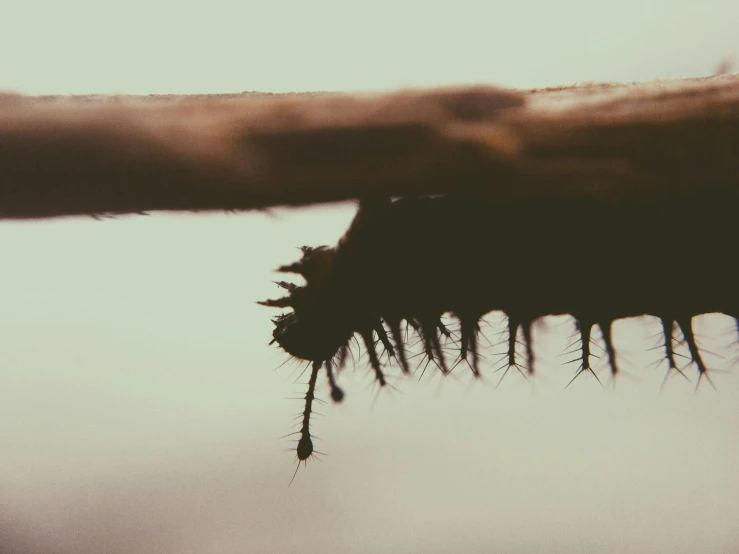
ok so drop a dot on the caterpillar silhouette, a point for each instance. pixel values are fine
(403, 264)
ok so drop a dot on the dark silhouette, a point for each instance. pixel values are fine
(402, 265)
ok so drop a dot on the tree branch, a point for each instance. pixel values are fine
(63, 156)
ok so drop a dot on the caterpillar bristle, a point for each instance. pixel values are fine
(512, 337)
(585, 328)
(430, 329)
(394, 325)
(305, 444)
(369, 344)
(337, 393)
(389, 349)
(285, 302)
(606, 330)
(529, 345)
(341, 357)
(686, 325)
(668, 328)
(469, 331)
(290, 287)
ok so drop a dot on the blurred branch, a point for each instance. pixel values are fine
(123, 154)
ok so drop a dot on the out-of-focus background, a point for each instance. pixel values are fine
(140, 406)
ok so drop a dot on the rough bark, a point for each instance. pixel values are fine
(62, 156)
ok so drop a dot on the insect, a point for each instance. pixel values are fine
(403, 264)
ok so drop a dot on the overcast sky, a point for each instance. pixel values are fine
(138, 407)
(146, 46)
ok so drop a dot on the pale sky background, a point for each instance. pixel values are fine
(139, 412)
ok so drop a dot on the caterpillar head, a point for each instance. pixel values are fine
(315, 329)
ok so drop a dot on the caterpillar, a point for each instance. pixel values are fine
(406, 265)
